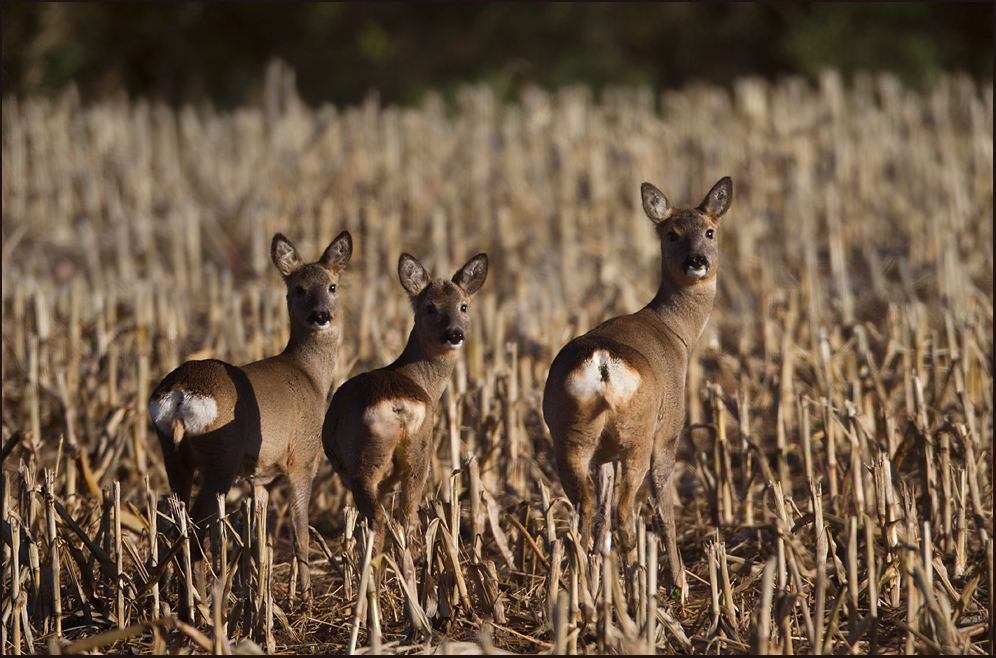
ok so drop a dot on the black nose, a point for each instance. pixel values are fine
(320, 317)
(696, 261)
(453, 337)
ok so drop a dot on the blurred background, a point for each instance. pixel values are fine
(192, 52)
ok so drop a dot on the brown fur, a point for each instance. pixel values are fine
(266, 415)
(378, 429)
(617, 393)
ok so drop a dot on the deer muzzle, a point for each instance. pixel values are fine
(453, 339)
(696, 266)
(320, 320)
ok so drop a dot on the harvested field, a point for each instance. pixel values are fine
(835, 480)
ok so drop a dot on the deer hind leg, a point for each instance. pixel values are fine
(203, 513)
(574, 455)
(368, 504)
(632, 473)
(605, 482)
(179, 475)
(411, 495)
(663, 489)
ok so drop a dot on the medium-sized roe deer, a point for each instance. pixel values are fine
(617, 393)
(262, 420)
(378, 429)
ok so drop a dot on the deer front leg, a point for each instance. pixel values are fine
(663, 488)
(299, 493)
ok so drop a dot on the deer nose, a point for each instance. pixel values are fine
(320, 318)
(696, 262)
(453, 337)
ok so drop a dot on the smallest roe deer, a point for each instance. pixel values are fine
(262, 420)
(617, 393)
(378, 429)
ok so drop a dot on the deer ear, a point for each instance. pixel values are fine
(655, 204)
(338, 253)
(718, 201)
(412, 275)
(471, 276)
(284, 255)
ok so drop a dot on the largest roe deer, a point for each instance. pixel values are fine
(262, 420)
(617, 393)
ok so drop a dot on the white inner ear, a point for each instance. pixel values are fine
(286, 258)
(419, 280)
(335, 252)
(469, 277)
(415, 277)
(656, 205)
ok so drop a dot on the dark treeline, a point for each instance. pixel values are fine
(186, 52)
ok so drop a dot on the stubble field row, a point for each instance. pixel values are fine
(835, 473)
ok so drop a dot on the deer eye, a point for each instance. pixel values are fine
(672, 236)
(463, 308)
(332, 288)
(430, 309)
(299, 291)
(709, 234)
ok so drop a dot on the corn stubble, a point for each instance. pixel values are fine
(835, 480)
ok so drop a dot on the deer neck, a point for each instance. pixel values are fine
(315, 354)
(431, 371)
(683, 309)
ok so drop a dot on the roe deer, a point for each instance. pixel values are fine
(264, 419)
(378, 429)
(617, 393)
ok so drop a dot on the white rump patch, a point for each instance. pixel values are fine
(196, 412)
(603, 376)
(388, 416)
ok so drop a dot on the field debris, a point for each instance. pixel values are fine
(834, 480)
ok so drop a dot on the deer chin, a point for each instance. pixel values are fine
(696, 272)
(321, 326)
(452, 347)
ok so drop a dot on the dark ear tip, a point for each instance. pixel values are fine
(719, 199)
(280, 243)
(347, 240)
(407, 260)
(480, 260)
